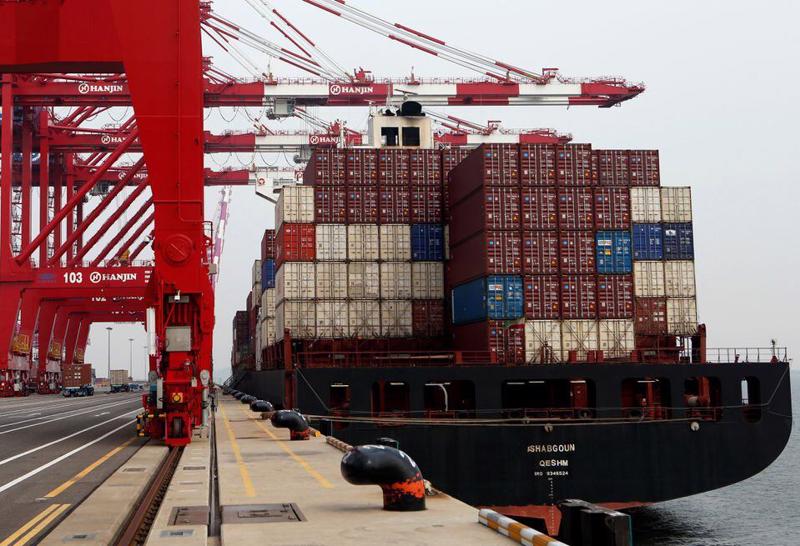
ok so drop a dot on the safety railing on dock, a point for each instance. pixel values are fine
(733, 355)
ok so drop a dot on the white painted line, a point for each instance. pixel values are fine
(35, 471)
(54, 442)
(68, 415)
(101, 414)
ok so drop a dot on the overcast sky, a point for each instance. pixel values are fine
(721, 105)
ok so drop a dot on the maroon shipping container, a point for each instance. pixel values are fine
(394, 204)
(651, 316)
(577, 252)
(612, 208)
(427, 318)
(540, 252)
(426, 205)
(615, 296)
(487, 207)
(393, 167)
(268, 245)
(574, 165)
(362, 167)
(327, 166)
(502, 207)
(612, 167)
(485, 253)
(644, 168)
(450, 160)
(542, 297)
(296, 243)
(539, 208)
(575, 208)
(489, 165)
(362, 205)
(330, 204)
(578, 297)
(505, 344)
(537, 164)
(425, 168)
(76, 375)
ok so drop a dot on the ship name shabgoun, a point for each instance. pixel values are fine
(551, 448)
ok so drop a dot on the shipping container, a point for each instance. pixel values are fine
(612, 167)
(76, 375)
(268, 332)
(295, 281)
(538, 164)
(296, 243)
(330, 204)
(487, 253)
(396, 280)
(427, 318)
(364, 280)
(542, 297)
(332, 319)
(427, 243)
(119, 377)
(681, 316)
(497, 297)
(362, 204)
(327, 167)
(267, 275)
(505, 343)
(574, 164)
(427, 280)
(393, 167)
(676, 205)
(644, 168)
(648, 279)
(615, 296)
(501, 208)
(268, 245)
(450, 160)
(426, 168)
(394, 205)
(577, 252)
(648, 243)
(612, 208)
(396, 318)
(678, 241)
(539, 208)
(575, 208)
(395, 242)
(578, 296)
(617, 339)
(365, 318)
(651, 316)
(362, 167)
(426, 205)
(331, 242)
(256, 278)
(646, 205)
(363, 242)
(540, 252)
(614, 252)
(489, 165)
(679, 279)
(295, 206)
(297, 316)
(268, 303)
(543, 342)
(331, 280)
(578, 338)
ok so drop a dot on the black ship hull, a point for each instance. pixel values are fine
(610, 455)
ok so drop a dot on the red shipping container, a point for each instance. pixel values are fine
(575, 208)
(488, 207)
(615, 296)
(540, 252)
(644, 168)
(539, 208)
(330, 204)
(574, 164)
(542, 297)
(502, 207)
(450, 160)
(268, 245)
(362, 167)
(425, 168)
(362, 205)
(426, 205)
(578, 297)
(538, 164)
(296, 243)
(504, 345)
(651, 316)
(612, 208)
(326, 167)
(612, 167)
(485, 253)
(394, 204)
(393, 167)
(427, 318)
(577, 252)
(500, 164)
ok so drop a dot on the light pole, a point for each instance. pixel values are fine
(130, 362)
(108, 329)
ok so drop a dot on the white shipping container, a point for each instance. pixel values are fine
(646, 205)
(682, 316)
(364, 280)
(331, 280)
(268, 303)
(332, 319)
(257, 275)
(295, 281)
(616, 338)
(267, 333)
(362, 243)
(580, 336)
(299, 317)
(543, 341)
(427, 281)
(396, 318)
(676, 204)
(257, 290)
(365, 318)
(648, 279)
(395, 242)
(396, 280)
(258, 347)
(295, 206)
(679, 279)
(331, 242)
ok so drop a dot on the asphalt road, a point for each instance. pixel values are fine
(54, 452)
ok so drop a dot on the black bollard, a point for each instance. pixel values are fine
(296, 423)
(261, 406)
(395, 472)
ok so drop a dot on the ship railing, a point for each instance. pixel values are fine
(387, 359)
(749, 355)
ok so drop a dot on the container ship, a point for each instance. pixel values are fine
(521, 319)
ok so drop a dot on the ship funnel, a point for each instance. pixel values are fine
(395, 472)
(296, 423)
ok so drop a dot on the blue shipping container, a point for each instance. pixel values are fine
(427, 243)
(267, 274)
(614, 252)
(497, 297)
(678, 241)
(647, 242)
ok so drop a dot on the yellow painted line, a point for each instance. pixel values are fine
(19, 532)
(297, 458)
(249, 490)
(86, 471)
(33, 533)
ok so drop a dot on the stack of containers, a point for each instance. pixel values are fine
(254, 310)
(241, 340)
(267, 316)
